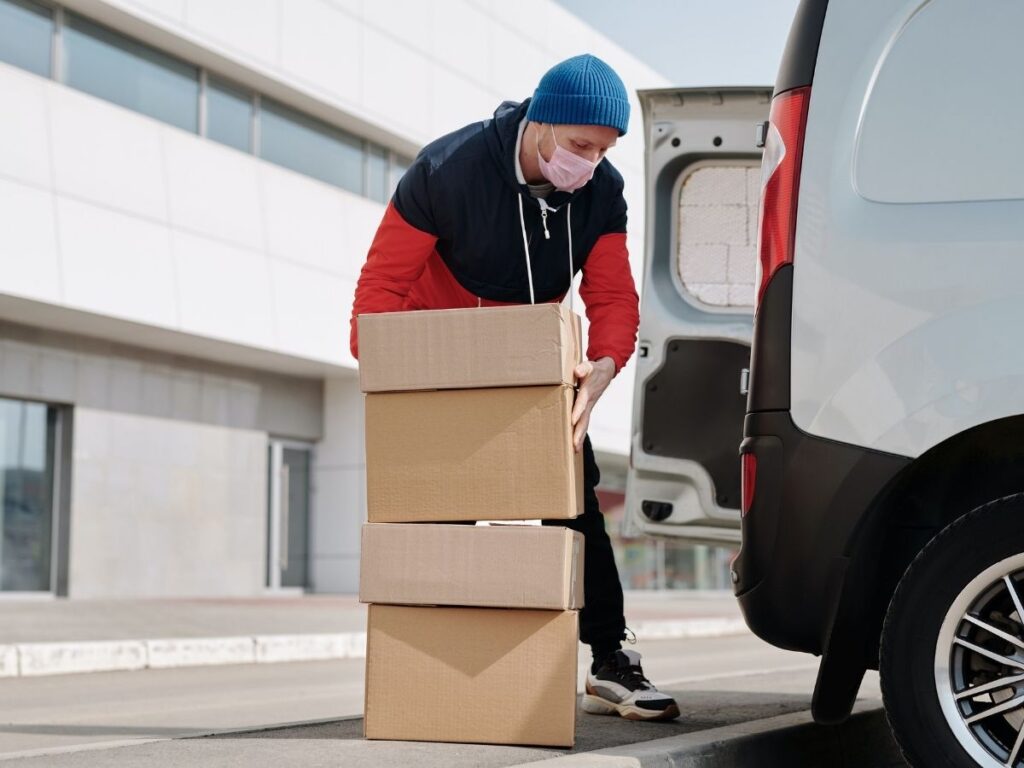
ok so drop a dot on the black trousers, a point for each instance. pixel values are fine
(602, 623)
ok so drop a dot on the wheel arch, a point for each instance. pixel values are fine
(948, 481)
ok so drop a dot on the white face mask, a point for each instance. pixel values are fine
(566, 170)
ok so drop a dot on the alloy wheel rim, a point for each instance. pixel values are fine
(979, 665)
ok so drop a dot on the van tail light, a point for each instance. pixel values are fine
(748, 481)
(780, 181)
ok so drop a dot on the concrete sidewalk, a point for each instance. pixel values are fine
(713, 731)
(48, 636)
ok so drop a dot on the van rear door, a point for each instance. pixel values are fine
(703, 184)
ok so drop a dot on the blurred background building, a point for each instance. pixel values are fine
(187, 192)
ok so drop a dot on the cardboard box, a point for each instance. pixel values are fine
(483, 675)
(468, 348)
(472, 454)
(500, 566)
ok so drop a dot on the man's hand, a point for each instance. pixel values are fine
(594, 377)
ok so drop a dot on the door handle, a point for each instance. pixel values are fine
(285, 510)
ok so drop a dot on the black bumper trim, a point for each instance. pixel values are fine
(811, 494)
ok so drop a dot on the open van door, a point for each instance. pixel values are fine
(703, 182)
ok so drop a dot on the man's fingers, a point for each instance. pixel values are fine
(582, 401)
(584, 369)
(580, 432)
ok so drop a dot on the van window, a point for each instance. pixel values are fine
(717, 232)
(942, 121)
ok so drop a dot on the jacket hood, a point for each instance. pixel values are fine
(502, 133)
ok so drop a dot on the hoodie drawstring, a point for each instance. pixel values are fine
(572, 272)
(547, 235)
(526, 248)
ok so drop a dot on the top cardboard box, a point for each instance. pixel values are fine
(468, 348)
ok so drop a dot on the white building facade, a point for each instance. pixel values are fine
(188, 189)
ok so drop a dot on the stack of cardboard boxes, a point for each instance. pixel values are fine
(472, 631)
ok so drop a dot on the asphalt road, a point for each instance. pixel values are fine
(80, 720)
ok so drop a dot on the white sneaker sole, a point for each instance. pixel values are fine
(595, 705)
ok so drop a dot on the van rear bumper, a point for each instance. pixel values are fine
(810, 496)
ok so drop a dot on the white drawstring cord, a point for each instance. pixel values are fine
(526, 248)
(572, 271)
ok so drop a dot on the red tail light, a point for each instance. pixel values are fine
(780, 181)
(749, 480)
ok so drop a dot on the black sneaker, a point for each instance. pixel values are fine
(620, 688)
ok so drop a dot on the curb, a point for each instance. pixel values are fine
(863, 741)
(39, 659)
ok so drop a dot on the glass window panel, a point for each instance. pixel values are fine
(717, 237)
(377, 181)
(228, 115)
(296, 462)
(105, 64)
(399, 166)
(26, 491)
(26, 35)
(309, 146)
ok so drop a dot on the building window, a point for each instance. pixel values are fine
(229, 115)
(27, 439)
(376, 173)
(289, 494)
(26, 35)
(105, 64)
(311, 147)
(717, 237)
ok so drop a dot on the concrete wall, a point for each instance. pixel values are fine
(62, 368)
(339, 489)
(165, 508)
(105, 211)
(168, 462)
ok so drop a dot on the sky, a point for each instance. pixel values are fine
(696, 42)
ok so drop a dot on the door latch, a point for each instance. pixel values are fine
(744, 381)
(761, 134)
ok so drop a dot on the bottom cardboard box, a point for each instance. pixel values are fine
(486, 675)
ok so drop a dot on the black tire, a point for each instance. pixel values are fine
(907, 663)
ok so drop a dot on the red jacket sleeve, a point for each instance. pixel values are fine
(397, 257)
(613, 307)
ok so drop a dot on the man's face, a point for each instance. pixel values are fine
(591, 142)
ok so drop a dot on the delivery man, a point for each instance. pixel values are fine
(507, 211)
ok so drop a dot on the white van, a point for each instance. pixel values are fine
(854, 313)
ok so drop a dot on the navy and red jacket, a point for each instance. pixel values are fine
(451, 237)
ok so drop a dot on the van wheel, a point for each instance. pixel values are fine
(952, 646)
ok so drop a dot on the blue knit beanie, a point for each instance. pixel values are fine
(582, 90)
